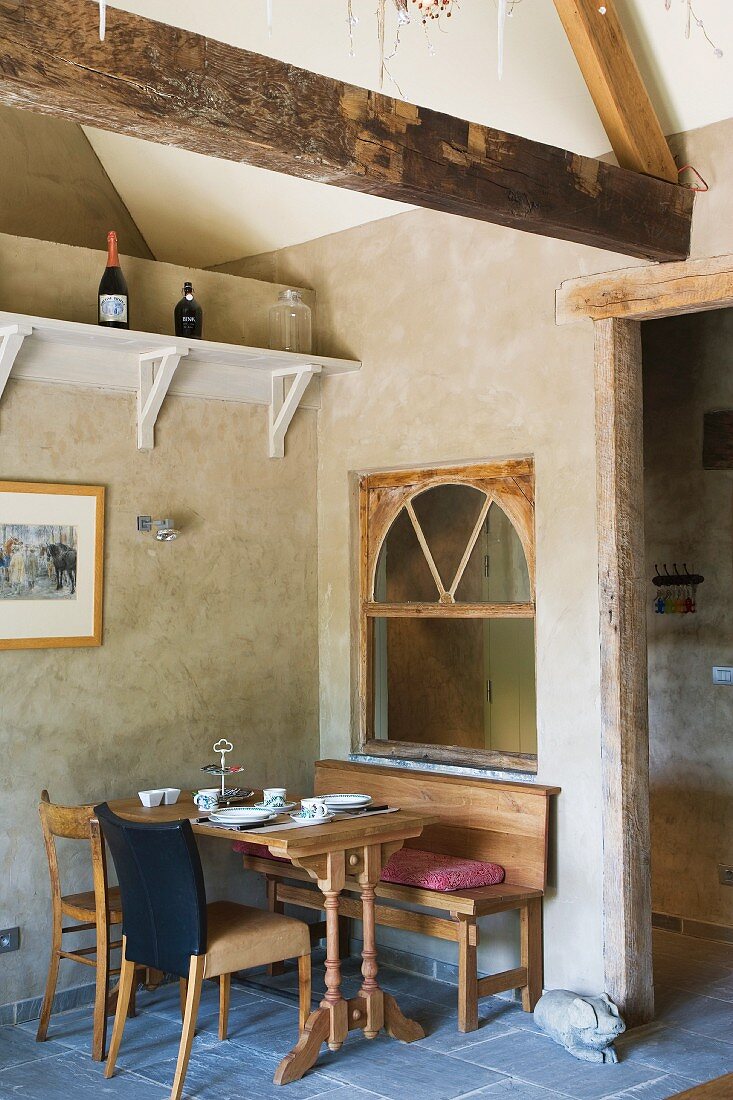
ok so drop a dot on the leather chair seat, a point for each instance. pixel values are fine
(240, 937)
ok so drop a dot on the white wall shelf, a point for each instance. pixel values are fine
(41, 349)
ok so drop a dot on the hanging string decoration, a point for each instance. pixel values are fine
(691, 17)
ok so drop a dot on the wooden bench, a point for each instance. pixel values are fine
(484, 819)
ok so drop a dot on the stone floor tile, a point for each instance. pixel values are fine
(661, 1089)
(400, 1071)
(231, 1072)
(18, 1046)
(73, 1074)
(267, 1026)
(166, 999)
(705, 1015)
(348, 1092)
(146, 1038)
(538, 1060)
(508, 1089)
(675, 1050)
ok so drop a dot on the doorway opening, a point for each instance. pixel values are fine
(688, 529)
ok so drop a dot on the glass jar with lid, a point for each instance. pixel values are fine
(290, 323)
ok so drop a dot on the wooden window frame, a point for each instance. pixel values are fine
(382, 495)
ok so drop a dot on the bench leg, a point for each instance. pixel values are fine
(274, 906)
(531, 946)
(467, 974)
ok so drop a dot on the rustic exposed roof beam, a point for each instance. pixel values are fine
(170, 86)
(615, 83)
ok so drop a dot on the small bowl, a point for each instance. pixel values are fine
(171, 795)
(151, 798)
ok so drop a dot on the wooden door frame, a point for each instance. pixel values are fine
(617, 302)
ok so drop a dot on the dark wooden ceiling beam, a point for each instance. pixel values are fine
(170, 86)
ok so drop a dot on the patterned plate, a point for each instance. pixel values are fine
(347, 801)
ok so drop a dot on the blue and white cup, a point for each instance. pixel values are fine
(207, 799)
(274, 797)
(314, 808)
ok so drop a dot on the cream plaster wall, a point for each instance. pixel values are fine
(53, 186)
(213, 634)
(454, 323)
(689, 518)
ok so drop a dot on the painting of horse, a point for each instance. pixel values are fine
(37, 562)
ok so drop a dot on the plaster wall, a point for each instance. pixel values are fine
(454, 323)
(689, 518)
(214, 634)
(53, 186)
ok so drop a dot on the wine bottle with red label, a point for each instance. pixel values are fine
(113, 301)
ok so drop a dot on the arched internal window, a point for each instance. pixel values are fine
(447, 615)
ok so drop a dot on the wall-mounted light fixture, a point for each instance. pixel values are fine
(163, 528)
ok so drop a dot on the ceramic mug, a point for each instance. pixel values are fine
(207, 799)
(274, 797)
(314, 808)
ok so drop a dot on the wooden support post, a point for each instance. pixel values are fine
(616, 86)
(627, 905)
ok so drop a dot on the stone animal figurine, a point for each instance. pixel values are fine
(585, 1026)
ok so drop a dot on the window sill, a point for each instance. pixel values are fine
(442, 758)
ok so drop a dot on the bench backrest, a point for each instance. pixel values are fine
(505, 823)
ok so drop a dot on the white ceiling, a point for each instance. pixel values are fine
(201, 211)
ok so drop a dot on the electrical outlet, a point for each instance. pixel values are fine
(723, 674)
(10, 939)
(725, 875)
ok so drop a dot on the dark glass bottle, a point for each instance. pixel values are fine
(113, 301)
(188, 315)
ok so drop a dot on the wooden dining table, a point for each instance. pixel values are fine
(357, 849)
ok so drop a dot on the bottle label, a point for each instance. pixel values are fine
(113, 307)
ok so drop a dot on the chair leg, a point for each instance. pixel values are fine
(467, 975)
(127, 977)
(195, 981)
(530, 917)
(183, 994)
(274, 906)
(304, 990)
(101, 993)
(53, 973)
(225, 985)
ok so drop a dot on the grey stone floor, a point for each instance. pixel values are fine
(506, 1059)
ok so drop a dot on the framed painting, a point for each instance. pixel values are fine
(51, 564)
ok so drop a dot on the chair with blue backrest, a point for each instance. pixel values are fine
(168, 925)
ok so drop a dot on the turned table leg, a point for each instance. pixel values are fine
(329, 1022)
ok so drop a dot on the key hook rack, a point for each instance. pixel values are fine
(678, 590)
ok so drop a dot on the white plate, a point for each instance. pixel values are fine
(298, 819)
(276, 809)
(237, 816)
(346, 801)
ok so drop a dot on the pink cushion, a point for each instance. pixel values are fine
(249, 848)
(413, 867)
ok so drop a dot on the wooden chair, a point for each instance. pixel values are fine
(169, 926)
(96, 909)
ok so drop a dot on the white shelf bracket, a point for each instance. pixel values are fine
(11, 341)
(154, 385)
(283, 406)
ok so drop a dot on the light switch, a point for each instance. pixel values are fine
(723, 674)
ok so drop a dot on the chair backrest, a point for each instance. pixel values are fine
(485, 819)
(72, 823)
(162, 887)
